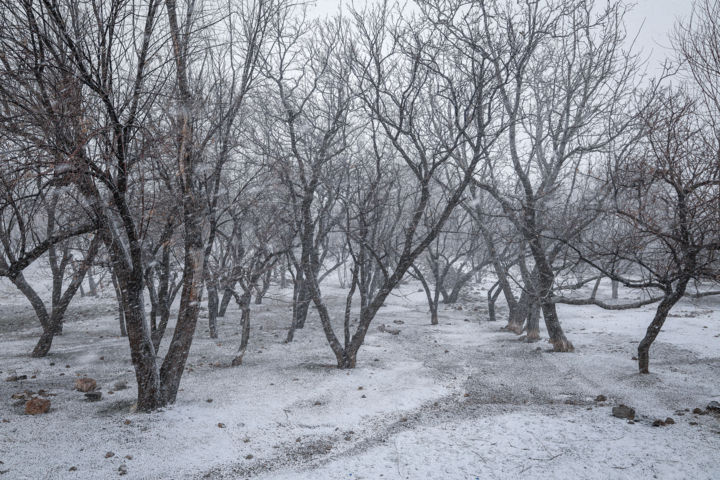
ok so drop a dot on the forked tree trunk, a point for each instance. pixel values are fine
(492, 296)
(260, 293)
(45, 342)
(545, 279)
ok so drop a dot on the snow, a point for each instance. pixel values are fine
(459, 400)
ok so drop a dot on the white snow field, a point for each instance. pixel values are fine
(459, 400)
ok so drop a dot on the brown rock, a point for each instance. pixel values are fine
(600, 398)
(37, 406)
(658, 423)
(249, 457)
(122, 470)
(623, 411)
(221, 425)
(669, 421)
(85, 384)
(109, 455)
(121, 385)
(698, 411)
(73, 469)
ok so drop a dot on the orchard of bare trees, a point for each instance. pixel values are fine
(191, 154)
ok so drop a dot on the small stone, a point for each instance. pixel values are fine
(85, 384)
(122, 470)
(209, 400)
(447, 351)
(129, 457)
(52, 364)
(102, 358)
(249, 457)
(623, 411)
(121, 385)
(466, 395)
(376, 360)
(698, 411)
(318, 403)
(693, 423)
(713, 406)
(630, 422)
(297, 439)
(569, 402)
(73, 469)
(363, 396)
(634, 358)
(109, 455)
(36, 406)
(93, 396)
(601, 398)
(34, 376)
(221, 425)
(658, 423)
(127, 422)
(360, 388)
(669, 421)
(67, 366)
(347, 439)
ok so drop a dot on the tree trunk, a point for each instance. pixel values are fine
(615, 285)
(172, 368)
(121, 311)
(244, 304)
(533, 321)
(211, 287)
(227, 296)
(492, 297)
(670, 299)
(142, 352)
(92, 292)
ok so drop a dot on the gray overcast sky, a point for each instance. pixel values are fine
(658, 17)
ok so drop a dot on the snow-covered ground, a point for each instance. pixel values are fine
(459, 400)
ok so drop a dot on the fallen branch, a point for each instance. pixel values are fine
(603, 305)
